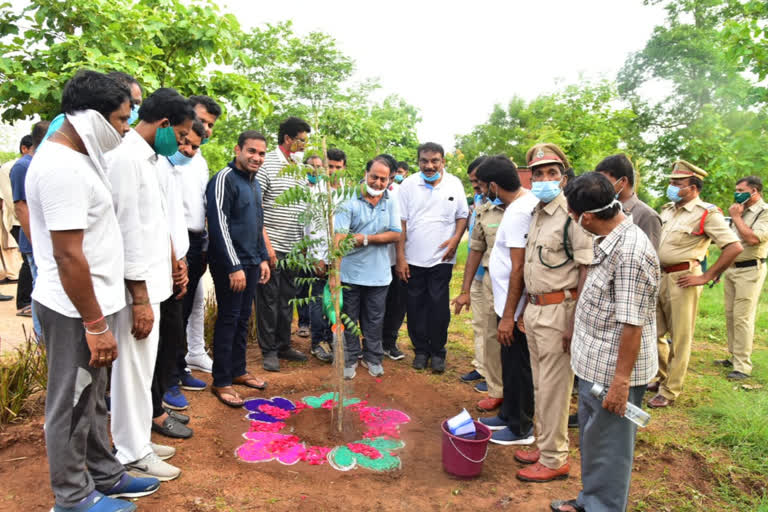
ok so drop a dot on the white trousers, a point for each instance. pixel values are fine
(195, 338)
(131, 393)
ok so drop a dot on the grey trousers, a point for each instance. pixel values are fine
(76, 438)
(607, 445)
(364, 305)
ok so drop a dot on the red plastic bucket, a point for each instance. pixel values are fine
(464, 457)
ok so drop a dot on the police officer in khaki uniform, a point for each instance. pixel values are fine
(744, 279)
(556, 256)
(488, 216)
(689, 226)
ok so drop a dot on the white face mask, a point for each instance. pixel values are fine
(298, 157)
(609, 205)
(97, 134)
(372, 191)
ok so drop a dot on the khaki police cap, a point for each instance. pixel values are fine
(543, 154)
(683, 169)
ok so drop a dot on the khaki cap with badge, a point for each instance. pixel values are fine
(683, 169)
(546, 153)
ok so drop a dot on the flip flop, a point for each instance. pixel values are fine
(555, 505)
(249, 381)
(220, 393)
(659, 401)
(25, 311)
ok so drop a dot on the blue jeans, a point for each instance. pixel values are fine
(33, 268)
(321, 329)
(607, 445)
(364, 305)
(230, 334)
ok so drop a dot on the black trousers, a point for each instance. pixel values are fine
(172, 334)
(517, 407)
(195, 269)
(428, 308)
(275, 311)
(397, 302)
(24, 284)
(305, 319)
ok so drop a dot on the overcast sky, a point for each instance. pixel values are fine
(455, 60)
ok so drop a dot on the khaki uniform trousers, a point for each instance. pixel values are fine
(675, 314)
(478, 304)
(742, 292)
(486, 320)
(552, 378)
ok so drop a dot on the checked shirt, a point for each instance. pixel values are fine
(621, 288)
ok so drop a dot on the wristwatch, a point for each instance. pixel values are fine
(365, 240)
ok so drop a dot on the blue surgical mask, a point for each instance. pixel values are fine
(312, 178)
(430, 179)
(546, 191)
(479, 199)
(179, 158)
(205, 141)
(399, 178)
(134, 114)
(55, 125)
(165, 141)
(673, 193)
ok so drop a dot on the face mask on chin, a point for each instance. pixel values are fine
(430, 179)
(297, 157)
(372, 191)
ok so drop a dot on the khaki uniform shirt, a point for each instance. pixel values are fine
(758, 222)
(545, 247)
(645, 218)
(683, 238)
(487, 219)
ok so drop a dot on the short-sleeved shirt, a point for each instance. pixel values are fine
(281, 222)
(142, 213)
(546, 249)
(621, 288)
(756, 217)
(367, 266)
(430, 214)
(645, 218)
(66, 192)
(688, 230)
(487, 221)
(18, 179)
(511, 234)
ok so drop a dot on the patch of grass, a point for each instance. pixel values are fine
(23, 373)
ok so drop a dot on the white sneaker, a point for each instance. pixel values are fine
(376, 370)
(151, 466)
(200, 362)
(349, 372)
(163, 452)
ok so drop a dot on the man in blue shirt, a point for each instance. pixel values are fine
(18, 177)
(238, 261)
(372, 218)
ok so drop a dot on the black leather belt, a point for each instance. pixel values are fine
(748, 263)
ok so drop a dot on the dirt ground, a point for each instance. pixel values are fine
(11, 326)
(213, 479)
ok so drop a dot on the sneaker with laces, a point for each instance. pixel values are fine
(97, 502)
(133, 487)
(188, 381)
(493, 422)
(152, 466)
(350, 372)
(175, 399)
(394, 353)
(375, 370)
(481, 387)
(163, 452)
(505, 436)
(200, 362)
(320, 353)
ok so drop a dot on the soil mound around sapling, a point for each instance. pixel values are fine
(317, 427)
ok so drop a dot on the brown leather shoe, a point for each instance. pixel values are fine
(527, 456)
(653, 387)
(541, 473)
(489, 404)
(659, 401)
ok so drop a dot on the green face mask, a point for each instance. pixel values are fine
(741, 197)
(165, 141)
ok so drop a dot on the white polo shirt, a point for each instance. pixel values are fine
(170, 178)
(194, 179)
(430, 213)
(512, 233)
(142, 215)
(66, 192)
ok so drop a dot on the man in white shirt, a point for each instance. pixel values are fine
(434, 211)
(165, 118)
(79, 292)
(195, 179)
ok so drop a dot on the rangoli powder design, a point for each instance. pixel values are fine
(376, 451)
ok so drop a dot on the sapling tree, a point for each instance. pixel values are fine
(318, 256)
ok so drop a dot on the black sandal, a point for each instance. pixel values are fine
(555, 505)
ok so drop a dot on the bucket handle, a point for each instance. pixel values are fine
(470, 460)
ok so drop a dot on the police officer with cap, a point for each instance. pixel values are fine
(689, 226)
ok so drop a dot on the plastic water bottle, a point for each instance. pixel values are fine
(633, 413)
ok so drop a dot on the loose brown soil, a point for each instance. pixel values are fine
(315, 428)
(213, 479)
